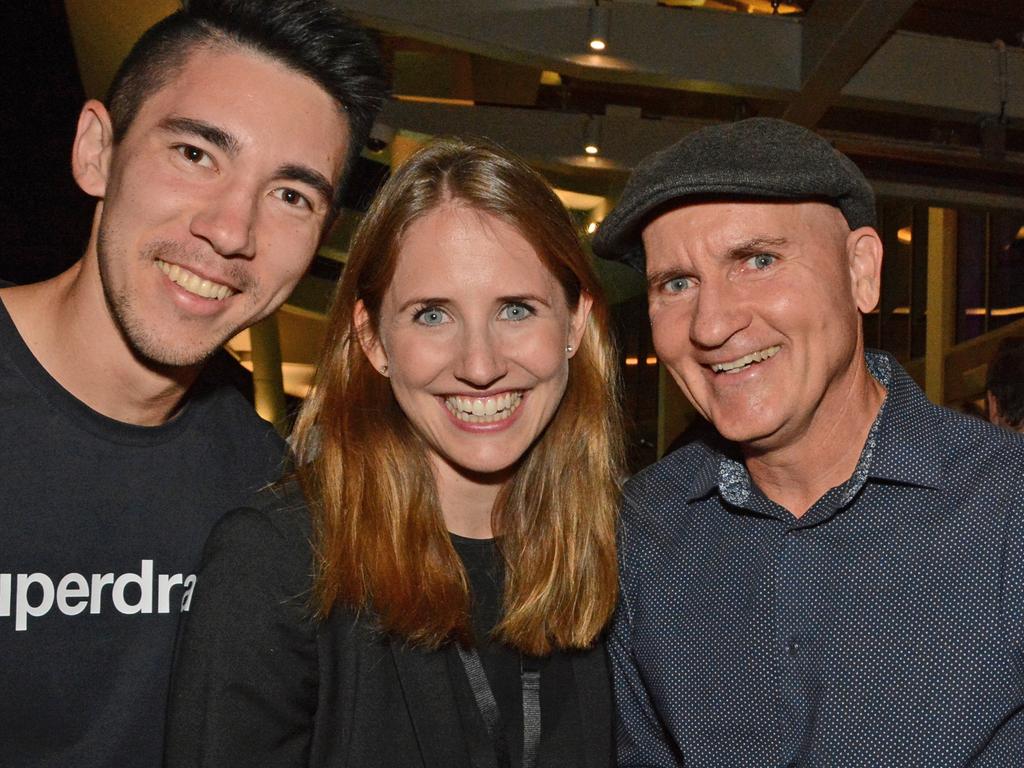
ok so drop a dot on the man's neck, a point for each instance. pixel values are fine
(796, 475)
(66, 324)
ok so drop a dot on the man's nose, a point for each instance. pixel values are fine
(719, 313)
(226, 221)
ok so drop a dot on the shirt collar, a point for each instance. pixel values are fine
(909, 446)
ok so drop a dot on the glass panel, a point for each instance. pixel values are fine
(897, 238)
(1006, 280)
(970, 275)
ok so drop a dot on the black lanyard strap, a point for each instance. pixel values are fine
(529, 675)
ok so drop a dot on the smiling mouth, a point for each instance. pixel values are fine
(193, 283)
(483, 410)
(742, 363)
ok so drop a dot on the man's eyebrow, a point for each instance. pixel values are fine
(654, 279)
(211, 133)
(307, 175)
(755, 245)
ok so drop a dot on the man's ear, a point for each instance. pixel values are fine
(368, 339)
(92, 149)
(994, 416)
(864, 254)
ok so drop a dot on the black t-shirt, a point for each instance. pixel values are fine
(502, 666)
(102, 528)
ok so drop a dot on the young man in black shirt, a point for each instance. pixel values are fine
(216, 162)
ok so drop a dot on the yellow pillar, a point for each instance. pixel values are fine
(674, 411)
(940, 324)
(267, 381)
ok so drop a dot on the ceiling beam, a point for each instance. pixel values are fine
(940, 76)
(554, 140)
(729, 53)
(740, 54)
(838, 37)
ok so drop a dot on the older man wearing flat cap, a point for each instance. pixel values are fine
(840, 580)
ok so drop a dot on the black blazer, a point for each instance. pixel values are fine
(257, 682)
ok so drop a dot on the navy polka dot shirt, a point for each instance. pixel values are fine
(882, 628)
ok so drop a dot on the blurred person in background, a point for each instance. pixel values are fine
(1004, 385)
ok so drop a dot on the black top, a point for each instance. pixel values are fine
(884, 627)
(259, 681)
(558, 687)
(102, 527)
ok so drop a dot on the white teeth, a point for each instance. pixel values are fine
(741, 363)
(193, 283)
(483, 410)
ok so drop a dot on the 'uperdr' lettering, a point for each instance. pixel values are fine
(34, 595)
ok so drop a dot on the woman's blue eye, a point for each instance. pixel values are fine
(430, 316)
(762, 260)
(515, 312)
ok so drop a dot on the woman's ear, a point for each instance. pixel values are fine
(578, 322)
(92, 149)
(368, 339)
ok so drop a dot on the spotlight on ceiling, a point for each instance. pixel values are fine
(592, 136)
(597, 28)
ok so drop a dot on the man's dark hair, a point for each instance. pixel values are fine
(309, 36)
(1005, 380)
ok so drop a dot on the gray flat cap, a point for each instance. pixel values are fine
(757, 159)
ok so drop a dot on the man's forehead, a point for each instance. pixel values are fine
(225, 71)
(253, 97)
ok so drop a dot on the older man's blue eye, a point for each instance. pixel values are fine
(678, 284)
(763, 260)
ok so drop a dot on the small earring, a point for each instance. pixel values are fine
(568, 349)
(384, 369)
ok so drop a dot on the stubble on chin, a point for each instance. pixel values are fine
(136, 328)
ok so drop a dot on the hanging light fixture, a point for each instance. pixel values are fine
(597, 27)
(592, 136)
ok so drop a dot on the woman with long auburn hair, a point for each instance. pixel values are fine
(432, 587)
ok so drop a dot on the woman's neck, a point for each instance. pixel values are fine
(467, 499)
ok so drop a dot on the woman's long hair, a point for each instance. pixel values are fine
(379, 536)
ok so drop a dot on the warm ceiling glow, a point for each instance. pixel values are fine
(591, 149)
(905, 235)
(434, 100)
(765, 6)
(1020, 233)
(597, 45)
(996, 312)
(578, 201)
(547, 77)
(743, 6)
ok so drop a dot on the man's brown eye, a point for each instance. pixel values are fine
(192, 154)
